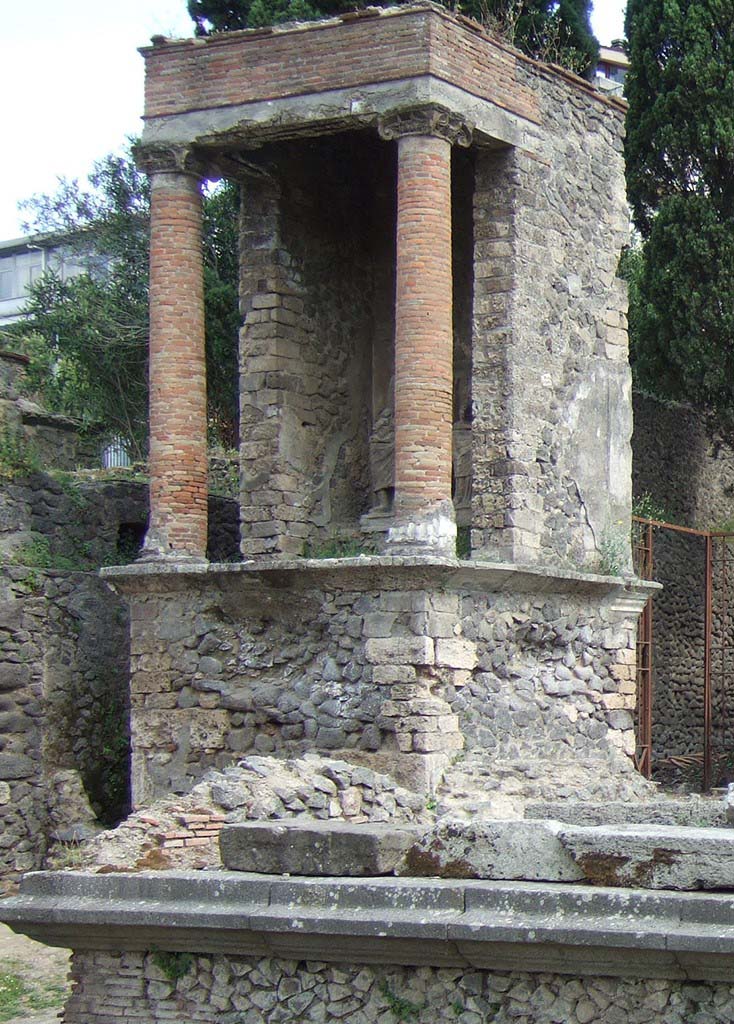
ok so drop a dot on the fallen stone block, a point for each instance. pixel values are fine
(492, 850)
(321, 848)
(653, 856)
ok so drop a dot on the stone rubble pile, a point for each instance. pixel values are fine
(184, 831)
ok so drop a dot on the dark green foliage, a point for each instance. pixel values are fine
(552, 30)
(221, 310)
(682, 309)
(88, 336)
(680, 88)
(680, 175)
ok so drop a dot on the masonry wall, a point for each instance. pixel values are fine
(551, 384)
(241, 67)
(133, 987)
(79, 522)
(63, 705)
(64, 646)
(684, 462)
(395, 677)
(315, 242)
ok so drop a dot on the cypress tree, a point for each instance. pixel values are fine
(680, 178)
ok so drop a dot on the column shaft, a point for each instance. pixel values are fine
(178, 424)
(423, 325)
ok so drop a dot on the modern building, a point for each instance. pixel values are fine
(611, 70)
(22, 262)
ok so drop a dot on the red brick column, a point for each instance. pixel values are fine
(177, 372)
(424, 329)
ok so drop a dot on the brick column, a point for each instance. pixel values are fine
(178, 427)
(424, 512)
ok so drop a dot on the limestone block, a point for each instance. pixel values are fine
(653, 856)
(316, 848)
(456, 653)
(493, 850)
(430, 742)
(410, 650)
(426, 706)
(385, 675)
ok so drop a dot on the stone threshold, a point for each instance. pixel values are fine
(385, 572)
(560, 928)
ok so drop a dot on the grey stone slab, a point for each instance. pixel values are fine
(693, 811)
(412, 894)
(493, 850)
(561, 927)
(322, 848)
(653, 856)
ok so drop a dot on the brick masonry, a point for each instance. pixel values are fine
(423, 324)
(240, 67)
(178, 425)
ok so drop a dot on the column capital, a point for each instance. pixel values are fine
(429, 119)
(157, 159)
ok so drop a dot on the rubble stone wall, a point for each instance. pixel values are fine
(63, 702)
(287, 662)
(64, 646)
(551, 382)
(218, 989)
(88, 523)
(684, 461)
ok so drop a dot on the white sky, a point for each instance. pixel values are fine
(73, 84)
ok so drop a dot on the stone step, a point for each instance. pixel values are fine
(632, 856)
(653, 856)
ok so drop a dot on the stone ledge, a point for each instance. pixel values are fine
(559, 928)
(382, 573)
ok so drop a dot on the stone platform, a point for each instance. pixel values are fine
(567, 929)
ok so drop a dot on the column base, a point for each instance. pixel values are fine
(431, 532)
(157, 549)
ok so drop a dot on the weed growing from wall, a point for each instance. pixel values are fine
(18, 457)
(174, 965)
(401, 1008)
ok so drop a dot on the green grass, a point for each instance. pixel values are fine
(20, 991)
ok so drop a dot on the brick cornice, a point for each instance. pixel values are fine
(431, 119)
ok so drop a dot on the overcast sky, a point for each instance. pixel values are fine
(73, 84)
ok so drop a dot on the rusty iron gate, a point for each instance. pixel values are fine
(717, 655)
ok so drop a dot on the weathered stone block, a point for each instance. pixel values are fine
(456, 653)
(316, 848)
(493, 850)
(414, 650)
(653, 856)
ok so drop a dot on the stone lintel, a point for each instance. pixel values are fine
(558, 928)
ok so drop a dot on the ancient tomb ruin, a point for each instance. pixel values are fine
(433, 347)
(430, 232)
